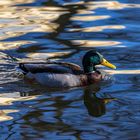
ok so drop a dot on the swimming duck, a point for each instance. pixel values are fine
(64, 74)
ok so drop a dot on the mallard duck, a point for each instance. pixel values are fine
(63, 74)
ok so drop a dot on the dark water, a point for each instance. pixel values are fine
(65, 30)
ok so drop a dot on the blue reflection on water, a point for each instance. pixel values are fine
(110, 111)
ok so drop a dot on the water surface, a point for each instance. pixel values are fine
(65, 30)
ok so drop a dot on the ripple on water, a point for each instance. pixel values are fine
(65, 30)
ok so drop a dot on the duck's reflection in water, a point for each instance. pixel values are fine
(94, 102)
(96, 106)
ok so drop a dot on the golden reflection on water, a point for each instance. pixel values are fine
(111, 5)
(40, 19)
(99, 28)
(85, 12)
(123, 71)
(6, 100)
(49, 55)
(89, 18)
(95, 43)
(12, 2)
(4, 115)
(13, 45)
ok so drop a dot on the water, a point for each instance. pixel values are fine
(65, 30)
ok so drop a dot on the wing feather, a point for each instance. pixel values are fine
(50, 67)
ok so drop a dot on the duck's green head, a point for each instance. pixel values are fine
(93, 58)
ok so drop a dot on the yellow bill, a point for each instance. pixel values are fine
(107, 100)
(107, 64)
